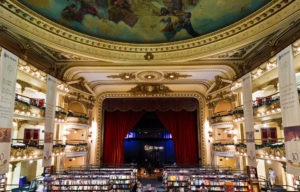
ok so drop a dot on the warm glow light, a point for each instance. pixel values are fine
(35, 156)
(30, 161)
(12, 158)
(258, 114)
(273, 111)
(171, 76)
(262, 156)
(269, 162)
(226, 158)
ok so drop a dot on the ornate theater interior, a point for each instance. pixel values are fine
(150, 94)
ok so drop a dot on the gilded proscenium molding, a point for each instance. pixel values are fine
(174, 75)
(201, 129)
(262, 21)
(123, 76)
(150, 89)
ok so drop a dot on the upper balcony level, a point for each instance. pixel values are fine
(33, 109)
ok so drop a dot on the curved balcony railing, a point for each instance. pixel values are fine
(270, 149)
(30, 149)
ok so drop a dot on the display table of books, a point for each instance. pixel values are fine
(100, 179)
(182, 179)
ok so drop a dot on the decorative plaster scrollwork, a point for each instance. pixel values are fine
(150, 89)
(123, 76)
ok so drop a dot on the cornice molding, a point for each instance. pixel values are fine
(252, 28)
(201, 128)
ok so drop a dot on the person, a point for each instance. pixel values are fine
(40, 187)
(272, 176)
(139, 186)
(134, 188)
(203, 189)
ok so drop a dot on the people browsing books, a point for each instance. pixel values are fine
(203, 189)
(272, 176)
(139, 187)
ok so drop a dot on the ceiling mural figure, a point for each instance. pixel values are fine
(145, 21)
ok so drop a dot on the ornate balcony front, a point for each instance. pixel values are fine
(33, 150)
(77, 121)
(76, 148)
(267, 149)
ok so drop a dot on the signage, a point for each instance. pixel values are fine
(8, 78)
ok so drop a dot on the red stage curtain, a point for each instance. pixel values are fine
(117, 125)
(183, 127)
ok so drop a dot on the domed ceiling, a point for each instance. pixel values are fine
(145, 21)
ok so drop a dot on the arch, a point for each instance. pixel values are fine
(223, 106)
(202, 151)
(76, 106)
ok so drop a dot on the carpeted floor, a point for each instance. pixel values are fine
(153, 182)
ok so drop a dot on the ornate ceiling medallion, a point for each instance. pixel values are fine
(124, 76)
(173, 76)
(150, 89)
(149, 76)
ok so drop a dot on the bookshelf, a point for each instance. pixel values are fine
(252, 173)
(3, 182)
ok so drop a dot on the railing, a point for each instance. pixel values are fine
(77, 114)
(257, 141)
(76, 142)
(34, 102)
(37, 142)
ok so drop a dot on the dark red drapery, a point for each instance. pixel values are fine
(117, 125)
(183, 127)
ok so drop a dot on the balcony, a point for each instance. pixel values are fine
(76, 120)
(25, 150)
(33, 149)
(76, 148)
(222, 119)
(267, 149)
(33, 109)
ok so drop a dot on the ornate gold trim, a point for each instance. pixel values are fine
(174, 75)
(124, 76)
(42, 29)
(149, 89)
(201, 129)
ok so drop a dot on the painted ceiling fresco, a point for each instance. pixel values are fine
(145, 21)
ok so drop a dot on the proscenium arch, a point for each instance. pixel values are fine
(200, 121)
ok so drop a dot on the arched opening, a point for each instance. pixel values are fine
(77, 107)
(223, 107)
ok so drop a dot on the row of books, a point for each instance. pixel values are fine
(119, 177)
(175, 184)
(194, 188)
(199, 182)
(240, 183)
(122, 181)
(81, 182)
(181, 189)
(240, 189)
(80, 188)
(178, 178)
(121, 186)
(217, 188)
